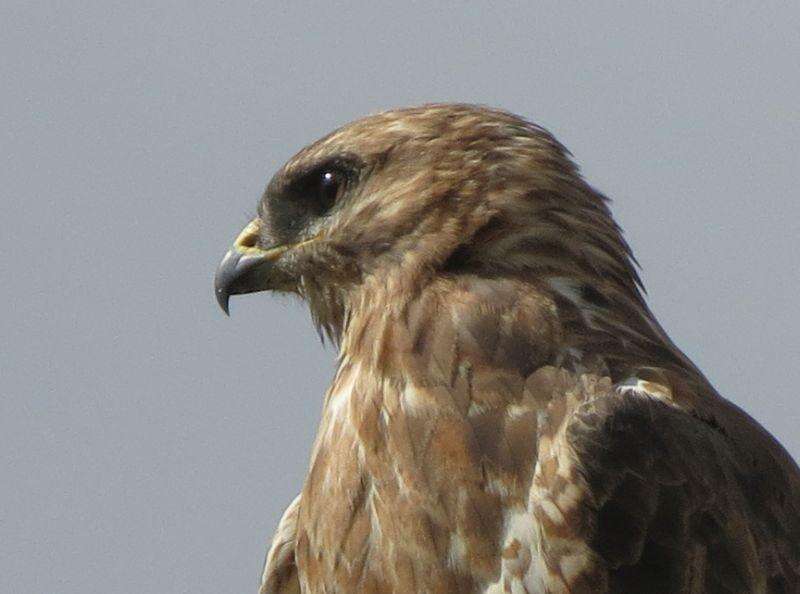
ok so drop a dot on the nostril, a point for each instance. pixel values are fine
(249, 240)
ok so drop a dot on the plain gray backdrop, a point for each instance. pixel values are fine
(148, 443)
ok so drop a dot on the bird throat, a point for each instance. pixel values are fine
(426, 437)
(429, 428)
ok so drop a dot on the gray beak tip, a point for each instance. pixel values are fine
(241, 273)
(223, 299)
(225, 278)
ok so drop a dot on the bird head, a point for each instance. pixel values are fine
(394, 200)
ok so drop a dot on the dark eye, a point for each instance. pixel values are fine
(329, 186)
(312, 192)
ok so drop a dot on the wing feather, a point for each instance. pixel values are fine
(641, 496)
(280, 570)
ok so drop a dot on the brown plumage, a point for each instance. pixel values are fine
(507, 414)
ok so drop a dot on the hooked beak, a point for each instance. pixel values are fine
(247, 268)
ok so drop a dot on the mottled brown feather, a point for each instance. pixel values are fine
(507, 414)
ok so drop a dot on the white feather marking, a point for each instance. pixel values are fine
(517, 410)
(570, 290)
(457, 552)
(411, 398)
(341, 393)
(635, 385)
(569, 497)
(522, 535)
(476, 408)
(497, 487)
(573, 565)
(552, 511)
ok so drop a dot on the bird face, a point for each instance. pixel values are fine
(277, 249)
(381, 195)
(388, 202)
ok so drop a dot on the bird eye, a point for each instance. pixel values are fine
(329, 186)
(315, 191)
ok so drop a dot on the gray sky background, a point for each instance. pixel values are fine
(149, 444)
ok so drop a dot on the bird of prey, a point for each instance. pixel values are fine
(507, 415)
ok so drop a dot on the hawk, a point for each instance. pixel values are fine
(507, 415)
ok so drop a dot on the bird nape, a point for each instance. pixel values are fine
(507, 414)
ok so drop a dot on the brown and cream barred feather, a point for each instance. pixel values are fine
(507, 414)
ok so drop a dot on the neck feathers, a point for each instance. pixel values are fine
(513, 325)
(539, 278)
